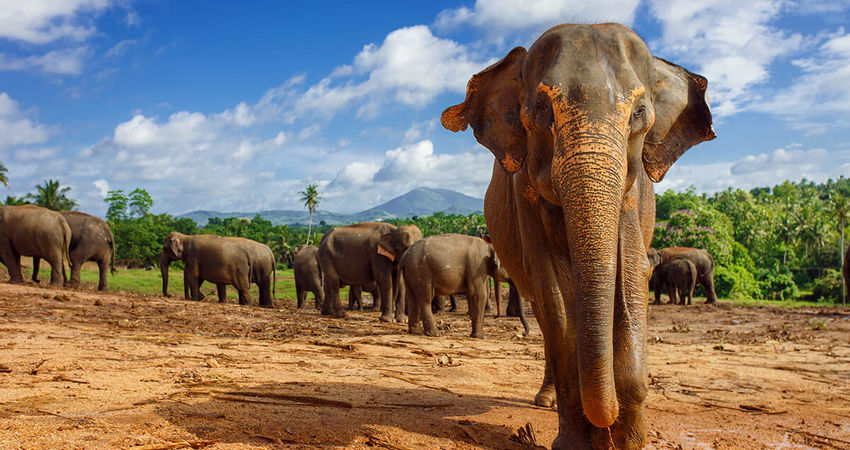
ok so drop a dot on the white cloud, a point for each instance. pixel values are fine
(121, 48)
(35, 155)
(732, 43)
(765, 169)
(43, 21)
(498, 17)
(820, 97)
(15, 127)
(363, 184)
(68, 61)
(182, 128)
(102, 187)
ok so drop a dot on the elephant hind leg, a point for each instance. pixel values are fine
(12, 261)
(221, 290)
(103, 269)
(477, 297)
(36, 263)
(265, 286)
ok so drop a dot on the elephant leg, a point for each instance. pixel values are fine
(478, 300)
(708, 282)
(243, 285)
(497, 293)
(265, 286)
(429, 323)
(659, 286)
(76, 268)
(400, 300)
(221, 289)
(57, 270)
(103, 271)
(331, 305)
(453, 302)
(318, 298)
(385, 285)
(438, 304)
(194, 284)
(416, 314)
(546, 395)
(12, 261)
(300, 296)
(36, 262)
(522, 319)
(355, 297)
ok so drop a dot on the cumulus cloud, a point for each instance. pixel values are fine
(730, 42)
(67, 61)
(15, 127)
(363, 184)
(764, 169)
(499, 17)
(102, 187)
(43, 21)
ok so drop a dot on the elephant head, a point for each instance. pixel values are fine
(172, 250)
(582, 115)
(654, 257)
(395, 242)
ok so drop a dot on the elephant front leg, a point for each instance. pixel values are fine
(12, 261)
(57, 272)
(221, 289)
(76, 268)
(708, 282)
(478, 299)
(103, 269)
(331, 305)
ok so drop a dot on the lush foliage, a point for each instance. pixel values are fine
(441, 223)
(51, 196)
(768, 243)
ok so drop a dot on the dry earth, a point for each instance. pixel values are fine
(80, 369)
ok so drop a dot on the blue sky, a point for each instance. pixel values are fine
(235, 106)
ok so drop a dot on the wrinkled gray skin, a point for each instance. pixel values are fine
(219, 260)
(701, 259)
(680, 277)
(580, 125)
(308, 275)
(363, 253)
(91, 240)
(30, 230)
(448, 264)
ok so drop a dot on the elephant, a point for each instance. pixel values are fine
(703, 262)
(447, 264)
(845, 269)
(308, 275)
(355, 296)
(438, 304)
(680, 276)
(30, 230)
(363, 253)
(91, 240)
(580, 125)
(222, 261)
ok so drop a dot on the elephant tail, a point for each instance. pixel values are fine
(274, 275)
(112, 259)
(66, 249)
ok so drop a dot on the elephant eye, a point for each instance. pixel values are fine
(641, 110)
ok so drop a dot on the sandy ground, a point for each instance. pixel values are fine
(79, 369)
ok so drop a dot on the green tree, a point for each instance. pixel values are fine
(311, 198)
(140, 203)
(50, 195)
(117, 202)
(3, 177)
(839, 210)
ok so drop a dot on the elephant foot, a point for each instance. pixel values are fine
(432, 333)
(710, 302)
(401, 319)
(267, 306)
(415, 330)
(387, 318)
(453, 309)
(657, 302)
(545, 397)
(478, 335)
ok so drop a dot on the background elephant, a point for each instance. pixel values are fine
(679, 275)
(363, 253)
(449, 264)
(91, 240)
(703, 262)
(31, 230)
(355, 296)
(263, 268)
(581, 124)
(308, 275)
(207, 257)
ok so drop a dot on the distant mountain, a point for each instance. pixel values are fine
(418, 202)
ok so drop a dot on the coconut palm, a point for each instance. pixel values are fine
(311, 198)
(3, 178)
(51, 196)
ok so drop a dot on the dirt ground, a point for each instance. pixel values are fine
(79, 369)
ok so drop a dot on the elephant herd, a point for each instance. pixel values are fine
(679, 269)
(404, 273)
(60, 238)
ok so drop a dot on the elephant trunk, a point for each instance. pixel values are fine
(164, 263)
(589, 162)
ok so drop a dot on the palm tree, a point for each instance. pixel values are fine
(311, 198)
(3, 178)
(52, 197)
(839, 208)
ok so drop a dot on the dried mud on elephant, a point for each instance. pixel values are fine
(92, 370)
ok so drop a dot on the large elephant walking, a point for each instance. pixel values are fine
(449, 264)
(363, 253)
(700, 258)
(30, 230)
(218, 260)
(581, 124)
(91, 240)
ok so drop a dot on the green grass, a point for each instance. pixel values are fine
(150, 282)
(754, 302)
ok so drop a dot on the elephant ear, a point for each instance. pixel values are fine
(176, 246)
(387, 246)
(682, 117)
(492, 108)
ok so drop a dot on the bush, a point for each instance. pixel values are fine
(735, 282)
(827, 288)
(777, 284)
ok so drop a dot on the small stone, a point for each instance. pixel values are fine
(212, 363)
